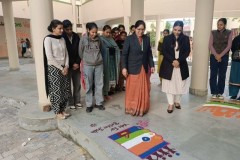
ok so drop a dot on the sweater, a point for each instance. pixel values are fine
(90, 51)
(56, 52)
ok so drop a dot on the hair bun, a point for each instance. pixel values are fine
(49, 28)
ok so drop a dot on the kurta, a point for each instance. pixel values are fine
(176, 85)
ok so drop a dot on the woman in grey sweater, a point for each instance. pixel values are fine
(90, 53)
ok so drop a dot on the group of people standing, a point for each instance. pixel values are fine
(220, 44)
(97, 56)
(107, 60)
(26, 48)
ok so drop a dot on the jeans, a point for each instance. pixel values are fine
(218, 74)
(97, 73)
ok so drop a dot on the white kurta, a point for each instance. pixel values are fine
(176, 85)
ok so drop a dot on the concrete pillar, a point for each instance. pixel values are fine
(84, 29)
(74, 15)
(200, 64)
(158, 30)
(191, 26)
(126, 23)
(41, 14)
(10, 31)
(137, 10)
(126, 19)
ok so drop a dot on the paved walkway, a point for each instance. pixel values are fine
(42, 145)
(195, 132)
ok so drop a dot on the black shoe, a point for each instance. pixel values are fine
(169, 110)
(178, 106)
(118, 89)
(100, 107)
(110, 93)
(89, 109)
(233, 98)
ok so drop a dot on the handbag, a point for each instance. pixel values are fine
(236, 56)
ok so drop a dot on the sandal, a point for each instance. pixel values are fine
(106, 98)
(66, 114)
(60, 116)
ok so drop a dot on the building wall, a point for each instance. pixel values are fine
(105, 9)
(21, 9)
(107, 12)
(22, 12)
(22, 31)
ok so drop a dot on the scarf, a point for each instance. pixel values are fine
(46, 64)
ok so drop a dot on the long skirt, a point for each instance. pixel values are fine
(234, 80)
(137, 100)
(59, 92)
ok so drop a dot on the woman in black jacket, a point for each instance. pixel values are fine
(174, 68)
(137, 60)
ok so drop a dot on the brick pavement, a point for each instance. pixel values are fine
(42, 146)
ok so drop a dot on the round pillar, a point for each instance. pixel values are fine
(137, 10)
(191, 26)
(158, 30)
(84, 29)
(200, 64)
(10, 31)
(41, 14)
(74, 15)
(126, 23)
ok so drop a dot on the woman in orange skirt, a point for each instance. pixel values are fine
(136, 60)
